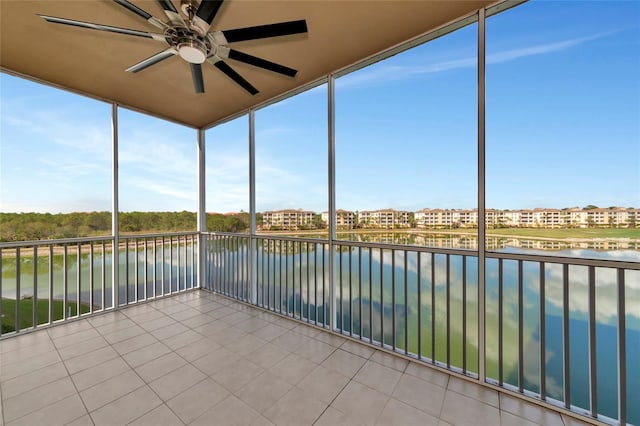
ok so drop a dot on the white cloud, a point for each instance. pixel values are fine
(382, 73)
(173, 189)
(62, 128)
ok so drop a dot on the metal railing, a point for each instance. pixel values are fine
(43, 282)
(416, 301)
(228, 265)
(291, 274)
(156, 265)
(557, 329)
(560, 329)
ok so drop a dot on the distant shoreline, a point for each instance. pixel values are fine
(580, 234)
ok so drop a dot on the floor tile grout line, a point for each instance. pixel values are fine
(70, 379)
(121, 396)
(264, 370)
(344, 387)
(1, 407)
(187, 363)
(163, 402)
(208, 377)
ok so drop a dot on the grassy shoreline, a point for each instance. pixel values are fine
(8, 323)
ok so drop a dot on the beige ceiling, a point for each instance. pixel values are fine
(93, 62)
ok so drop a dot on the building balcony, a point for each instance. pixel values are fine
(217, 328)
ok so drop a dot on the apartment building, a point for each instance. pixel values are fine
(385, 218)
(456, 218)
(533, 218)
(345, 219)
(288, 219)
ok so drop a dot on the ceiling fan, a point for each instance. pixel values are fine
(189, 36)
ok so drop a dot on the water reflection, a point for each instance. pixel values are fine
(493, 242)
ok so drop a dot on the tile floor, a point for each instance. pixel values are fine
(201, 359)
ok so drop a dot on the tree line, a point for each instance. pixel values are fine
(44, 226)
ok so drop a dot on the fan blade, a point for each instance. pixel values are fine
(133, 8)
(196, 74)
(207, 11)
(167, 5)
(101, 27)
(233, 75)
(161, 56)
(141, 13)
(171, 12)
(266, 31)
(261, 63)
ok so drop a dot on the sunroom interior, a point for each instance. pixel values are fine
(531, 337)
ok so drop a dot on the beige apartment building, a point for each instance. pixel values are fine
(345, 219)
(534, 218)
(457, 218)
(385, 218)
(288, 219)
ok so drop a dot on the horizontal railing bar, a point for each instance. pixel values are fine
(156, 235)
(39, 243)
(618, 264)
(286, 238)
(61, 241)
(462, 252)
(404, 247)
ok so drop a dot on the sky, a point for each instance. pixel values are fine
(562, 130)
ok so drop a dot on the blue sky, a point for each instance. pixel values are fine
(563, 129)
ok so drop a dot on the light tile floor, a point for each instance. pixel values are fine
(201, 359)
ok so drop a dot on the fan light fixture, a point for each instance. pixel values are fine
(192, 52)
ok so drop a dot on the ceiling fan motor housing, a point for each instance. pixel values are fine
(191, 46)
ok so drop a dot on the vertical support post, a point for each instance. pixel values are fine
(481, 199)
(146, 269)
(419, 290)
(18, 318)
(332, 196)
(593, 367)
(622, 351)
(543, 333)
(202, 212)
(78, 278)
(565, 337)
(433, 308)
(115, 230)
(65, 287)
(135, 271)
(252, 208)
(50, 284)
(91, 276)
(500, 321)
(464, 314)
(520, 327)
(35, 288)
(448, 303)
(393, 299)
(1, 292)
(103, 275)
